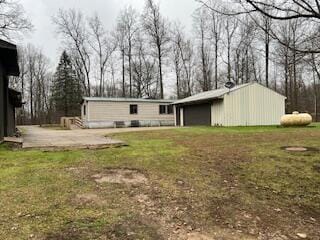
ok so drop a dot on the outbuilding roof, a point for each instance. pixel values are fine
(214, 94)
(133, 100)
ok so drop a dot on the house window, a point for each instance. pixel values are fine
(165, 109)
(133, 109)
(84, 110)
(162, 109)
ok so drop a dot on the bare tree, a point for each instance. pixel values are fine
(291, 32)
(280, 10)
(157, 29)
(182, 57)
(72, 27)
(144, 70)
(176, 59)
(202, 29)
(287, 10)
(314, 62)
(129, 21)
(13, 21)
(120, 38)
(230, 26)
(34, 83)
(103, 48)
(216, 28)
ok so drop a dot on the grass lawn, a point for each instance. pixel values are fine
(189, 183)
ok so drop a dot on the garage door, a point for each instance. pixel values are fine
(195, 115)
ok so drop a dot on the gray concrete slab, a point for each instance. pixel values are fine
(13, 140)
(43, 138)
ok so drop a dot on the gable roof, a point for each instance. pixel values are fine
(130, 100)
(215, 94)
(9, 58)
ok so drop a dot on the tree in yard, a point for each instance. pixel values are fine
(66, 89)
(33, 82)
(128, 19)
(13, 21)
(120, 38)
(280, 10)
(156, 28)
(143, 70)
(71, 25)
(204, 48)
(230, 26)
(216, 32)
(103, 48)
(183, 61)
(314, 62)
(245, 64)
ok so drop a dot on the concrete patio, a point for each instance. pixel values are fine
(35, 137)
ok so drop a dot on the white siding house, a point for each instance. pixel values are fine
(249, 104)
(110, 112)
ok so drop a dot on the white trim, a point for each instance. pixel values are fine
(181, 117)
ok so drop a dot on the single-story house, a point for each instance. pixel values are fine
(9, 99)
(126, 112)
(249, 104)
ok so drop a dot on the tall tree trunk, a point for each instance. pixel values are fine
(31, 97)
(130, 68)
(101, 82)
(286, 70)
(247, 66)
(160, 73)
(295, 82)
(123, 75)
(216, 62)
(267, 49)
(204, 67)
(229, 61)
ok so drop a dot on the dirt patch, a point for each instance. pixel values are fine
(77, 170)
(144, 200)
(223, 234)
(121, 176)
(71, 230)
(131, 229)
(316, 167)
(65, 234)
(198, 236)
(87, 198)
(172, 226)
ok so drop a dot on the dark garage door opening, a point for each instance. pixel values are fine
(196, 115)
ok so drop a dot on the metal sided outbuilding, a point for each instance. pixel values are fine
(249, 104)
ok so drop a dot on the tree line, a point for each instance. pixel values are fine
(148, 56)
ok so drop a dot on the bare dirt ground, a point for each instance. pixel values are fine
(164, 218)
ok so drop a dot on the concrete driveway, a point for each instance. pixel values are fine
(44, 138)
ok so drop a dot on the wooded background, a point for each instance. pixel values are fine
(275, 43)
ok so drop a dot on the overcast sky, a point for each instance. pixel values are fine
(41, 11)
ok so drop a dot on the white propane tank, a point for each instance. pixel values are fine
(296, 119)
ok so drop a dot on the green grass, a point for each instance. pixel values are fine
(217, 176)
